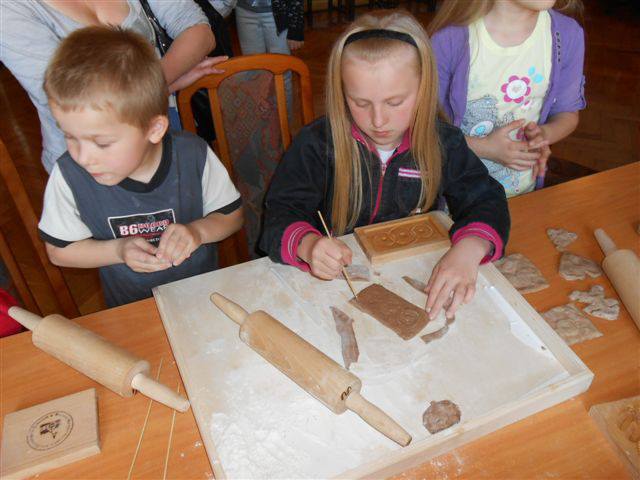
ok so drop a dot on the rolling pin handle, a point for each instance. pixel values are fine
(377, 419)
(606, 244)
(234, 311)
(159, 392)
(25, 317)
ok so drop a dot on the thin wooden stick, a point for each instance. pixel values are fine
(344, 271)
(144, 425)
(173, 422)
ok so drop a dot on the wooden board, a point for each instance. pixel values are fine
(403, 238)
(499, 362)
(50, 435)
(607, 417)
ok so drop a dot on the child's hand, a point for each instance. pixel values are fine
(140, 255)
(177, 243)
(453, 280)
(326, 256)
(295, 44)
(514, 154)
(537, 141)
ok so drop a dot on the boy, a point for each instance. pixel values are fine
(141, 204)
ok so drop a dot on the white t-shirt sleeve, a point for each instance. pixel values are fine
(218, 191)
(60, 216)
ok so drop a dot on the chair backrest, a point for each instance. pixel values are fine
(254, 106)
(18, 193)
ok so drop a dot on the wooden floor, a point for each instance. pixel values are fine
(608, 134)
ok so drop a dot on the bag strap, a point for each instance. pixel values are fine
(163, 40)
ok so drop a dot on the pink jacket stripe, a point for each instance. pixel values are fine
(290, 241)
(485, 231)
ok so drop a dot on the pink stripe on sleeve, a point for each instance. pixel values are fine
(481, 230)
(290, 241)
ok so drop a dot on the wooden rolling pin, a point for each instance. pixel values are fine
(320, 376)
(100, 360)
(623, 269)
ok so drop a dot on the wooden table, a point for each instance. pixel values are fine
(561, 442)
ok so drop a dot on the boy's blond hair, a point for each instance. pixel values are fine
(108, 68)
(425, 146)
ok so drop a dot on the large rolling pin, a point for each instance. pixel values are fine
(337, 388)
(623, 269)
(100, 360)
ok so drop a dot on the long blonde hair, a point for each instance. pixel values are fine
(425, 147)
(465, 12)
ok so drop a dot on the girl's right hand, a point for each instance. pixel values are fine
(325, 256)
(515, 154)
(140, 255)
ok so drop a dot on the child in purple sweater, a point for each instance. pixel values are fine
(510, 75)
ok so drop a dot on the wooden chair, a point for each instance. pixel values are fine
(18, 193)
(253, 129)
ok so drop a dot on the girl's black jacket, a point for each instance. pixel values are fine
(303, 184)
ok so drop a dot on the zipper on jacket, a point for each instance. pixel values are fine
(379, 195)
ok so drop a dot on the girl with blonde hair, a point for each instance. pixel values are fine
(380, 154)
(510, 75)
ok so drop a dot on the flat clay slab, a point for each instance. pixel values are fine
(561, 238)
(388, 241)
(575, 267)
(571, 324)
(348, 342)
(393, 311)
(430, 337)
(598, 306)
(521, 273)
(417, 284)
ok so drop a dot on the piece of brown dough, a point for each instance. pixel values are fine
(357, 273)
(521, 273)
(440, 415)
(344, 327)
(575, 267)
(594, 294)
(606, 308)
(598, 306)
(429, 337)
(571, 324)
(417, 284)
(393, 311)
(561, 238)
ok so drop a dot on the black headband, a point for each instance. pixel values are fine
(380, 33)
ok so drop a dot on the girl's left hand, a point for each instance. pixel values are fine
(453, 280)
(177, 243)
(205, 67)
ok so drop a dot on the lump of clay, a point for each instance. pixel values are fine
(417, 284)
(561, 238)
(572, 326)
(393, 311)
(607, 309)
(598, 306)
(344, 327)
(440, 415)
(575, 267)
(430, 337)
(521, 273)
(595, 293)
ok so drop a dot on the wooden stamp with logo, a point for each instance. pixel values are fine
(50, 435)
